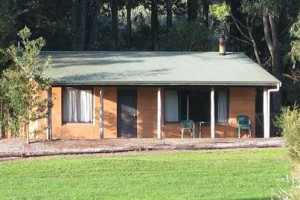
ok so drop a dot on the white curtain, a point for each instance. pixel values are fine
(85, 111)
(171, 106)
(77, 105)
(222, 106)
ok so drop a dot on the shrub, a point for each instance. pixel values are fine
(289, 123)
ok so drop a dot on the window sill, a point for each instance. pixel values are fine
(77, 123)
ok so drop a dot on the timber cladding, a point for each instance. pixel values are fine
(57, 112)
(147, 112)
(110, 112)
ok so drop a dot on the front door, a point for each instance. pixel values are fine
(127, 118)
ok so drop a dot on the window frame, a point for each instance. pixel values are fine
(181, 91)
(77, 88)
(227, 106)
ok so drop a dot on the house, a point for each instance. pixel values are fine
(147, 94)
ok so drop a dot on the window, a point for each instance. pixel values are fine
(171, 106)
(77, 105)
(222, 106)
(195, 105)
(183, 104)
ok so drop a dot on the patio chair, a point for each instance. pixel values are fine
(188, 125)
(243, 122)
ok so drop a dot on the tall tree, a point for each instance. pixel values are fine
(82, 28)
(295, 50)
(192, 10)
(96, 6)
(154, 25)
(114, 24)
(129, 24)
(7, 23)
(169, 14)
(205, 10)
(272, 15)
(75, 23)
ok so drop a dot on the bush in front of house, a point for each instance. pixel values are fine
(289, 123)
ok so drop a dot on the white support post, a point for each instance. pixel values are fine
(159, 136)
(188, 107)
(266, 114)
(101, 119)
(212, 113)
(49, 118)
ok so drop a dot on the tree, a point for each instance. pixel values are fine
(190, 36)
(7, 23)
(154, 25)
(273, 14)
(192, 10)
(169, 14)
(22, 85)
(295, 50)
(96, 4)
(114, 24)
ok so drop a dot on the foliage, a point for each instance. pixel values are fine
(22, 84)
(173, 175)
(289, 123)
(189, 36)
(295, 50)
(7, 23)
(220, 11)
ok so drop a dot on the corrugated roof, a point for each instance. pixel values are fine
(156, 68)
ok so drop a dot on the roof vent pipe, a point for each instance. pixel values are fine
(222, 50)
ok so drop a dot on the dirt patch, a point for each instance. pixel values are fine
(11, 148)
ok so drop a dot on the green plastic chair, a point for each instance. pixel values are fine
(188, 125)
(244, 123)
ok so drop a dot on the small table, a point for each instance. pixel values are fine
(200, 128)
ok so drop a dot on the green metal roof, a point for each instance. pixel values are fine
(156, 68)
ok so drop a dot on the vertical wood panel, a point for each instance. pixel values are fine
(56, 112)
(110, 112)
(147, 112)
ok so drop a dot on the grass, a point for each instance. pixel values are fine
(238, 174)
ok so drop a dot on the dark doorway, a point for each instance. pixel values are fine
(127, 118)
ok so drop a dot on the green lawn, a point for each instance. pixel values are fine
(238, 174)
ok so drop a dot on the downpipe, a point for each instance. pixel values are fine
(268, 118)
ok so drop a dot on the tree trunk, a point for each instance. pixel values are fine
(205, 10)
(94, 28)
(236, 12)
(192, 10)
(114, 24)
(82, 28)
(169, 14)
(154, 25)
(248, 37)
(128, 8)
(74, 24)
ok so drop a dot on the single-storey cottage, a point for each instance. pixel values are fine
(148, 94)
